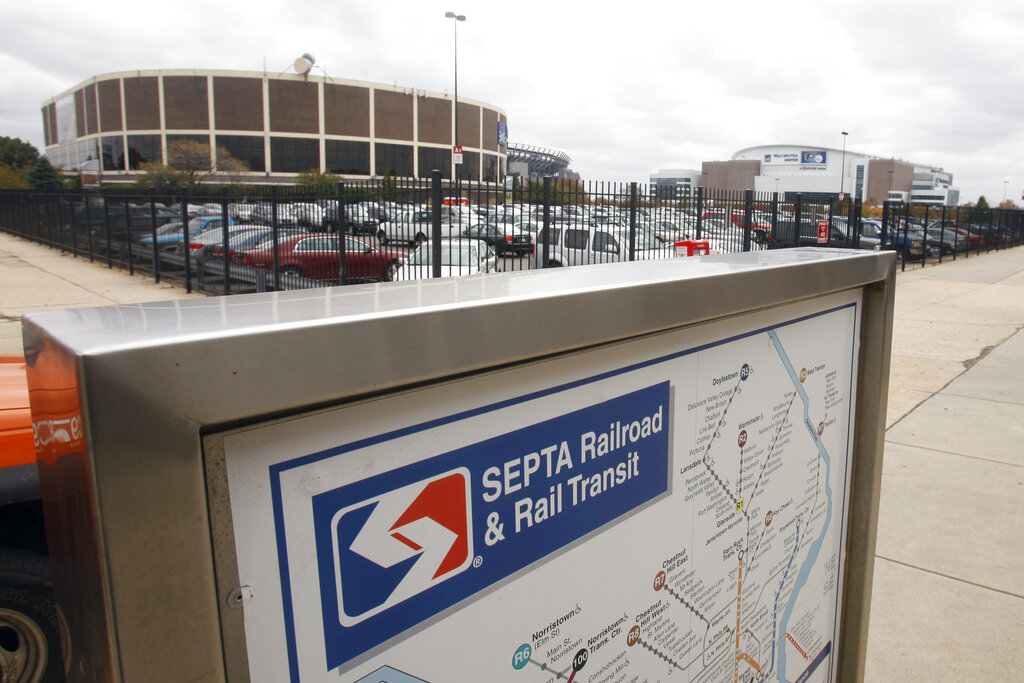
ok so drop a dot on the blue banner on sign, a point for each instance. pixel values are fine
(396, 549)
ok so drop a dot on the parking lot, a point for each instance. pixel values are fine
(250, 239)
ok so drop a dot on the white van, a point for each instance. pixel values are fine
(576, 245)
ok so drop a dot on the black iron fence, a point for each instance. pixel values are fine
(244, 238)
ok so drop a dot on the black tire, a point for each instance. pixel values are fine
(420, 239)
(389, 272)
(30, 630)
(291, 270)
(382, 238)
(554, 264)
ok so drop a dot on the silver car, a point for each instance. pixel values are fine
(458, 257)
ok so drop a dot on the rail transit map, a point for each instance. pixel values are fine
(679, 516)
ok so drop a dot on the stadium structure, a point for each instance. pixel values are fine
(279, 126)
(534, 162)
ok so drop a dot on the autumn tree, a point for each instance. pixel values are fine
(17, 153)
(13, 179)
(189, 165)
(317, 184)
(159, 177)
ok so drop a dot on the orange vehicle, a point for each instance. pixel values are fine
(30, 632)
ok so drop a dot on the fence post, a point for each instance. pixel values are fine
(435, 223)
(184, 232)
(798, 209)
(906, 234)
(700, 212)
(225, 235)
(632, 221)
(775, 218)
(748, 217)
(276, 257)
(546, 221)
(128, 232)
(88, 224)
(152, 232)
(60, 219)
(854, 223)
(340, 232)
(106, 225)
(186, 239)
(885, 224)
(47, 215)
(956, 234)
(72, 223)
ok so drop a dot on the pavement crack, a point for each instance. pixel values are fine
(984, 352)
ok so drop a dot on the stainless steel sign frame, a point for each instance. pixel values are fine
(467, 420)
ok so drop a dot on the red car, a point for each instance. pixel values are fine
(316, 256)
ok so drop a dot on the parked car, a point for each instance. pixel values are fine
(953, 231)
(671, 231)
(413, 228)
(730, 241)
(316, 256)
(788, 234)
(870, 234)
(912, 244)
(458, 257)
(292, 215)
(504, 239)
(946, 240)
(140, 216)
(247, 237)
(200, 244)
(170, 234)
(580, 245)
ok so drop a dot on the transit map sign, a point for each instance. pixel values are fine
(672, 507)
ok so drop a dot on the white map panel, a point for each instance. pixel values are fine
(727, 567)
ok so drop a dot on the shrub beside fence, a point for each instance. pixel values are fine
(258, 238)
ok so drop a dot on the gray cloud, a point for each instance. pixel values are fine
(624, 90)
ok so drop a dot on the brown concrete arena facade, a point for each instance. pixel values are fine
(279, 125)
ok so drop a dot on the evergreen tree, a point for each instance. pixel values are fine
(43, 176)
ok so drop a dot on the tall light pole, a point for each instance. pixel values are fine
(842, 171)
(455, 172)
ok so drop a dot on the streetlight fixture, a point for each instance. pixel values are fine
(456, 160)
(842, 171)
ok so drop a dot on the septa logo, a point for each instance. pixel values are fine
(398, 544)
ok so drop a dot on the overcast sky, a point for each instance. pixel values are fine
(623, 88)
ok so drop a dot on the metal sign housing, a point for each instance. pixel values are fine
(660, 465)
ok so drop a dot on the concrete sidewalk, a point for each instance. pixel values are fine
(948, 601)
(948, 598)
(37, 278)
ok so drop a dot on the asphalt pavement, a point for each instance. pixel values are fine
(948, 596)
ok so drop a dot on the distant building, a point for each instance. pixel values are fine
(278, 125)
(530, 161)
(822, 173)
(674, 183)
